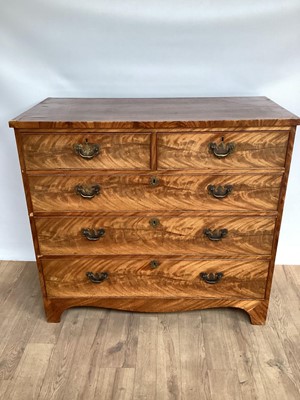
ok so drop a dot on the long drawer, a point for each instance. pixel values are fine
(163, 234)
(155, 192)
(230, 150)
(121, 277)
(89, 151)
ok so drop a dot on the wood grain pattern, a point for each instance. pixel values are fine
(174, 129)
(154, 113)
(66, 347)
(95, 353)
(46, 152)
(193, 360)
(225, 384)
(135, 277)
(170, 213)
(17, 327)
(252, 150)
(168, 366)
(19, 141)
(56, 306)
(27, 385)
(280, 207)
(135, 192)
(166, 139)
(175, 172)
(153, 153)
(174, 235)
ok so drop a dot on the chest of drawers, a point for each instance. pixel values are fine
(155, 205)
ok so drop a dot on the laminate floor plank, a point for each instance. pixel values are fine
(272, 362)
(56, 378)
(86, 372)
(221, 334)
(123, 384)
(10, 274)
(44, 332)
(224, 384)
(131, 340)
(192, 357)
(24, 289)
(30, 373)
(289, 298)
(146, 362)
(269, 353)
(18, 325)
(218, 328)
(4, 386)
(122, 332)
(274, 367)
(168, 380)
(244, 351)
(104, 385)
(284, 321)
(293, 271)
(81, 379)
(94, 312)
(14, 346)
(113, 355)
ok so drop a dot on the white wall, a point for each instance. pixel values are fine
(139, 48)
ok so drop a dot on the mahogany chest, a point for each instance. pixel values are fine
(155, 205)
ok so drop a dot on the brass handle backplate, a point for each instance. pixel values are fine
(211, 277)
(219, 192)
(93, 234)
(98, 277)
(216, 235)
(221, 150)
(87, 192)
(87, 150)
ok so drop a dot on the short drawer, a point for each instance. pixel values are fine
(91, 151)
(123, 277)
(222, 236)
(155, 192)
(230, 150)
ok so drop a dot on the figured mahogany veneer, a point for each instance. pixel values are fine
(251, 150)
(43, 151)
(155, 205)
(173, 235)
(171, 277)
(154, 191)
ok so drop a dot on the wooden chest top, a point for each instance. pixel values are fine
(159, 113)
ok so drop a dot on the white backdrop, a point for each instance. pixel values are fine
(139, 48)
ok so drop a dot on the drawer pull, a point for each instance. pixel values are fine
(221, 150)
(93, 234)
(98, 277)
(211, 278)
(87, 150)
(154, 264)
(219, 192)
(154, 181)
(87, 192)
(216, 235)
(154, 222)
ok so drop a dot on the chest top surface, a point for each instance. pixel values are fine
(155, 113)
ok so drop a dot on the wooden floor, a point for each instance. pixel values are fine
(103, 355)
